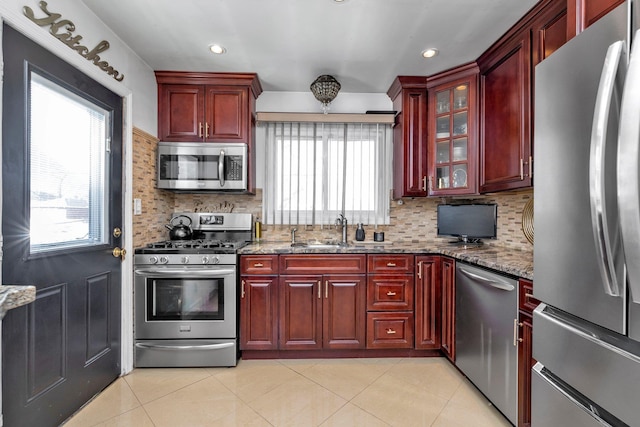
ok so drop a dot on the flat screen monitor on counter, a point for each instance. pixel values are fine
(469, 223)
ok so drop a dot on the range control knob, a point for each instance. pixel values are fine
(164, 260)
(205, 260)
(215, 260)
(153, 260)
(184, 260)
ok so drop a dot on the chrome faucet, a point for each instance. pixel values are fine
(293, 236)
(342, 221)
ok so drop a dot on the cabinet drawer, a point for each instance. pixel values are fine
(259, 264)
(322, 264)
(390, 292)
(390, 330)
(526, 301)
(390, 264)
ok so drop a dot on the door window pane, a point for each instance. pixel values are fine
(68, 143)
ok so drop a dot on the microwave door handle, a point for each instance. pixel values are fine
(628, 174)
(602, 234)
(221, 168)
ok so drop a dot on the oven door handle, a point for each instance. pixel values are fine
(186, 273)
(186, 347)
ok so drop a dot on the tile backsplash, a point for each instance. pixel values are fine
(413, 220)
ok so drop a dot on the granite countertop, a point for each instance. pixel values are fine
(13, 296)
(507, 260)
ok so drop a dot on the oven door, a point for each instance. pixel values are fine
(185, 302)
(198, 166)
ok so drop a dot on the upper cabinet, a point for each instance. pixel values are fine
(409, 96)
(505, 111)
(587, 12)
(506, 96)
(207, 107)
(452, 131)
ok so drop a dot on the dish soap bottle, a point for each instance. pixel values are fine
(360, 233)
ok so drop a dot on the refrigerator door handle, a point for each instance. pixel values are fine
(628, 174)
(602, 234)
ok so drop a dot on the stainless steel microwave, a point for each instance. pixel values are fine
(200, 166)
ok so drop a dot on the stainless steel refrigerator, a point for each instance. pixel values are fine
(586, 333)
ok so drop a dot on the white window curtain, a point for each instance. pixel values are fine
(316, 171)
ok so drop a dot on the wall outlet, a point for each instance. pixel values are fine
(137, 206)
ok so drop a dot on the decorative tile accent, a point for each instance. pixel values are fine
(157, 205)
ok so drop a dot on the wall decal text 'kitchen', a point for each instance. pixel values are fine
(52, 19)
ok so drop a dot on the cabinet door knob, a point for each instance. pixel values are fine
(242, 290)
(200, 129)
(419, 269)
(206, 126)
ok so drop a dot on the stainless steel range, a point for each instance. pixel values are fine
(185, 294)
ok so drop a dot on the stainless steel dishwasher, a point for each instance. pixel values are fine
(486, 351)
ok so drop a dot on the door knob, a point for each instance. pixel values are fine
(119, 253)
(117, 232)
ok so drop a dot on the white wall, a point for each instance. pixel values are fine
(139, 80)
(304, 102)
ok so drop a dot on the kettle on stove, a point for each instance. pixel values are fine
(179, 231)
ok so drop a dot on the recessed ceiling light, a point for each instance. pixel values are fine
(217, 49)
(429, 53)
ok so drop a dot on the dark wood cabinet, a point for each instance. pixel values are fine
(448, 344)
(322, 311)
(428, 303)
(584, 13)
(300, 312)
(258, 302)
(549, 30)
(207, 107)
(390, 329)
(452, 131)
(390, 301)
(505, 132)
(409, 96)
(526, 305)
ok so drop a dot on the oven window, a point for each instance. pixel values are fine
(185, 299)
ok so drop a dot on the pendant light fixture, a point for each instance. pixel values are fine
(325, 88)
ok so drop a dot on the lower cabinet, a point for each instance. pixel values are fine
(390, 296)
(392, 329)
(448, 344)
(258, 302)
(428, 303)
(526, 305)
(259, 313)
(322, 311)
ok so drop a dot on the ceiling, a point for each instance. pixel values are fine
(364, 44)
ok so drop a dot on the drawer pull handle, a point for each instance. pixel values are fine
(258, 264)
(390, 331)
(391, 264)
(391, 294)
(527, 295)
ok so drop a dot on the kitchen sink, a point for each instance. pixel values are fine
(319, 245)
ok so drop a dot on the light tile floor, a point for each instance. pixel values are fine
(310, 392)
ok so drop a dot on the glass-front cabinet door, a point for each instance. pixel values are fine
(452, 133)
